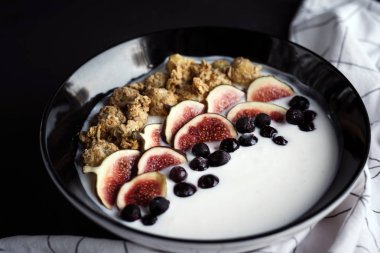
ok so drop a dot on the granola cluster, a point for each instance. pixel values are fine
(127, 110)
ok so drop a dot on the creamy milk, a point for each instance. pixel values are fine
(262, 187)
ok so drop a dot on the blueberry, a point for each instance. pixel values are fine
(229, 145)
(177, 174)
(294, 116)
(184, 189)
(309, 115)
(201, 149)
(218, 158)
(268, 132)
(247, 140)
(279, 140)
(262, 119)
(299, 102)
(158, 205)
(306, 127)
(198, 164)
(130, 212)
(149, 219)
(208, 181)
(245, 125)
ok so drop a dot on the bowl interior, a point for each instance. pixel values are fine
(70, 106)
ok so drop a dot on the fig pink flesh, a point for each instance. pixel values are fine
(143, 192)
(209, 129)
(276, 116)
(155, 138)
(226, 100)
(269, 93)
(188, 113)
(119, 174)
(158, 162)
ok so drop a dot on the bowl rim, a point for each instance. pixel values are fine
(90, 213)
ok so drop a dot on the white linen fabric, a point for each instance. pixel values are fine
(347, 34)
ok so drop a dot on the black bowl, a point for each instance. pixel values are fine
(70, 106)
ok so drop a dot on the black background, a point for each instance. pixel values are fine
(42, 44)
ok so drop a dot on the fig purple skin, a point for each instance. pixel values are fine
(268, 88)
(142, 189)
(251, 109)
(203, 128)
(222, 97)
(158, 158)
(151, 136)
(115, 170)
(178, 116)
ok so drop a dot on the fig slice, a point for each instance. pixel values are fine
(142, 189)
(158, 158)
(203, 128)
(268, 88)
(113, 172)
(251, 109)
(179, 115)
(222, 97)
(150, 136)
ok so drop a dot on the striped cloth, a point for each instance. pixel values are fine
(346, 33)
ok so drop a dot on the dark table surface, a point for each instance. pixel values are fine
(43, 43)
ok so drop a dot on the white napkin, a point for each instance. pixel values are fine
(346, 33)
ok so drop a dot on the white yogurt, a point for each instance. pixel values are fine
(262, 187)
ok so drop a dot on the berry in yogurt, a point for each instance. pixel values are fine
(262, 119)
(309, 115)
(247, 140)
(229, 145)
(201, 149)
(306, 126)
(245, 125)
(280, 140)
(158, 205)
(268, 131)
(149, 219)
(130, 212)
(299, 102)
(218, 158)
(208, 181)
(184, 189)
(294, 116)
(199, 164)
(178, 174)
